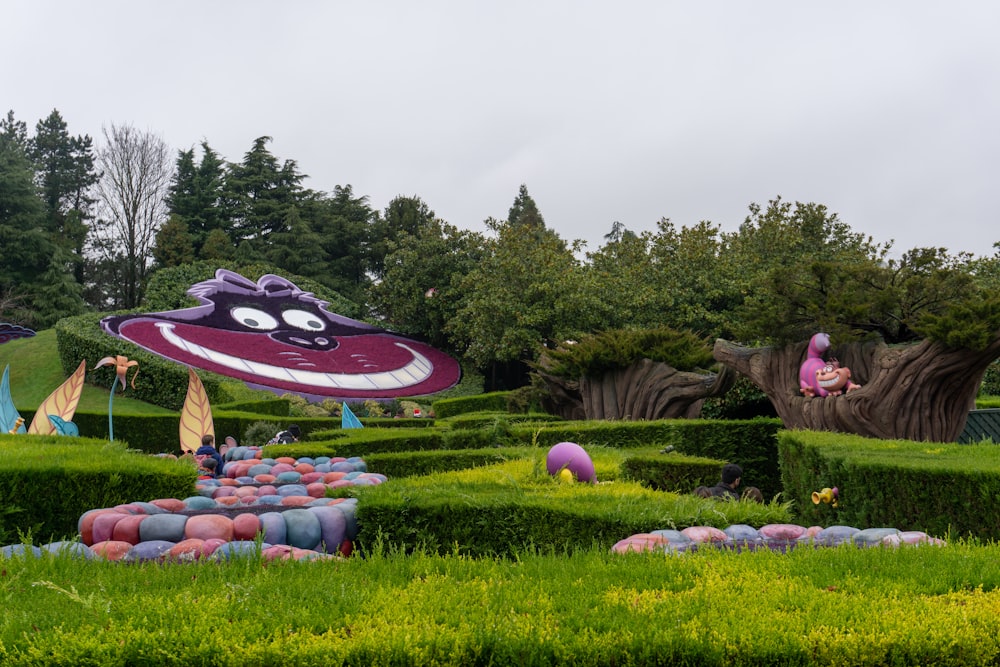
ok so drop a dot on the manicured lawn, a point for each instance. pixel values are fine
(35, 372)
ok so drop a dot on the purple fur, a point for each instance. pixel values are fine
(818, 344)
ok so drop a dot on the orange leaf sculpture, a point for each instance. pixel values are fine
(62, 403)
(196, 415)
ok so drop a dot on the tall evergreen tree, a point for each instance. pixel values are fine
(14, 132)
(196, 194)
(65, 173)
(343, 223)
(259, 193)
(217, 246)
(524, 211)
(174, 246)
(33, 280)
(296, 247)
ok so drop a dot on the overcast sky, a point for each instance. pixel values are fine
(887, 112)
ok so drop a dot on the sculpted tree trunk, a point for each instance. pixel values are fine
(645, 390)
(917, 392)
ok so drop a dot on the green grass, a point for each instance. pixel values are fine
(35, 372)
(835, 606)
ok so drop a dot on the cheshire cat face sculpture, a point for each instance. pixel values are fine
(273, 335)
(823, 378)
(833, 379)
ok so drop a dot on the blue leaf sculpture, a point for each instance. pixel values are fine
(9, 415)
(64, 427)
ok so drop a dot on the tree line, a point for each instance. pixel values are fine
(83, 227)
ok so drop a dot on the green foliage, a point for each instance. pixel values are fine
(674, 472)
(64, 170)
(467, 420)
(991, 380)
(926, 293)
(822, 607)
(33, 266)
(527, 290)
(396, 465)
(259, 432)
(76, 474)
(971, 324)
(403, 222)
(174, 245)
(596, 354)
(420, 293)
(196, 198)
(522, 507)
(495, 401)
(744, 400)
(893, 482)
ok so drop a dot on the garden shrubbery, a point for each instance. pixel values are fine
(944, 489)
(472, 552)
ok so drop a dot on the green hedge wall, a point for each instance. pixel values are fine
(673, 472)
(943, 489)
(47, 482)
(396, 465)
(504, 509)
(160, 434)
(488, 418)
(750, 443)
(497, 401)
(362, 442)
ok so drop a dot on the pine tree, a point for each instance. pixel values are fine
(65, 174)
(174, 245)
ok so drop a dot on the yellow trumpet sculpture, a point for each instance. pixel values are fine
(827, 495)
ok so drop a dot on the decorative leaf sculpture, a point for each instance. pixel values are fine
(61, 403)
(196, 415)
(63, 427)
(9, 415)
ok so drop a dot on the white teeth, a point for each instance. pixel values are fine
(412, 373)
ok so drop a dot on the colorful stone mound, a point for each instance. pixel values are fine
(777, 537)
(279, 511)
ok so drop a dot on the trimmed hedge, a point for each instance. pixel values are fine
(49, 481)
(160, 434)
(504, 509)
(489, 418)
(362, 442)
(396, 465)
(749, 443)
(943, 489)
(497, 401)
(674, 472)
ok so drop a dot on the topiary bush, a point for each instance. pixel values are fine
(258, 433)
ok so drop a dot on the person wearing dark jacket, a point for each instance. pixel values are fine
(208, 449)
(286, 437)
(726, 488)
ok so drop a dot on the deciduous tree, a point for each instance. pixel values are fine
(136, 170)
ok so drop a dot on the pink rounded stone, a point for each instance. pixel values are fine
(245, 526)
(205, 526)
